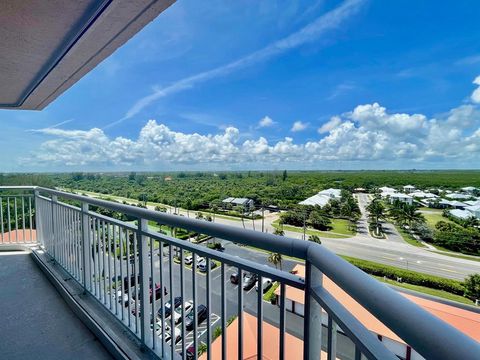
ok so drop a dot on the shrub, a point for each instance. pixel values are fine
(472, 287)
(411, 277)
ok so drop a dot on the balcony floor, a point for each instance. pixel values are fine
(36, 322)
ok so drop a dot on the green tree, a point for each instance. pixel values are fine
(275, 259)
(376, 213)
(279, 232)
(472, 286)
(284, 176)
(315, 239)
(319, 221)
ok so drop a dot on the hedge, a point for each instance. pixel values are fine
(410, 277)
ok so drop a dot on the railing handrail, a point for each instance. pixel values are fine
(428, 335)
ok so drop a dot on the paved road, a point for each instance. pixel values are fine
(391, 251)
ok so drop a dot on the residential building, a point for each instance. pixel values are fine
(331, 193)
(231, 202)
(423, 195)
(474, 210)
(458, 196)
(392, 197)
(469, 190)
(409, 188)
(460, 214)
(322, 198)
(386, 189)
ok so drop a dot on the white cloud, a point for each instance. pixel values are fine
(298, 126)
(476, 94)
(330, 125)
(265, 122)
(311, 32)
(369, 133)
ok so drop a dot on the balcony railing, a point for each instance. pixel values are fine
(135, 272)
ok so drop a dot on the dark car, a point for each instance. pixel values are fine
(201, 316)
(190, 352)
(126, 285)
(158, 292)
(249, 280)
(234, 278)
(168, 306)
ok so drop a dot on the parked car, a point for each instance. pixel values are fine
(188, 260)
(200, 260)
(190, 352)
(234, 278)
(168, 306)
(201, 316)
(177, 335)
(121, 300)
(126, 285)
(249, 280)
(203, 266)
(158, 292)
(266, 284)
(177, 314)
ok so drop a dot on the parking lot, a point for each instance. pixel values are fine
(294, 323)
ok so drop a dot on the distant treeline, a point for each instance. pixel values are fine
(195, 190)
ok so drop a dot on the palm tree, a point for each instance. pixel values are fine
(315, 239)
(376, 212)
(214, 209)
(412, 215)
(275, 259)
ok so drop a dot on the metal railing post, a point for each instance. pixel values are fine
(38, 226)
(312, 332)
(54, 240)
(86, 248)
(144, 283)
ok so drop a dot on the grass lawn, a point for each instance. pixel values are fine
(434, 292)
(310, 231)
(270, 292)
(423, 208)
(434, 218)
(342, 226)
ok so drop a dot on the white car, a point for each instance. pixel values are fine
(188, 260)
(177, 314)
(266, 283)
(177, 335)
(158, 328)
(119, 298)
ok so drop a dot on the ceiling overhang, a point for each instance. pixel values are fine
(47, 46)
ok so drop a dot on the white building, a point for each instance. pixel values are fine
(386, 189)
(458, 196)
(460, 214)
(322, 198)
(469, 189)
(423, 195)
(409, 188)
(474, 210)
(400, 197)
(331, 193)
(248, 204)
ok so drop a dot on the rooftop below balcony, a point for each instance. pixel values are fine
(36, 321)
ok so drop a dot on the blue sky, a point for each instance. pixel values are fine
(224, 84)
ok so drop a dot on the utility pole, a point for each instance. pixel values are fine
(263, 218)
(304, 227)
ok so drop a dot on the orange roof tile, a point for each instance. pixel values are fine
(466, 321)
(293, 345)
(15, 236)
